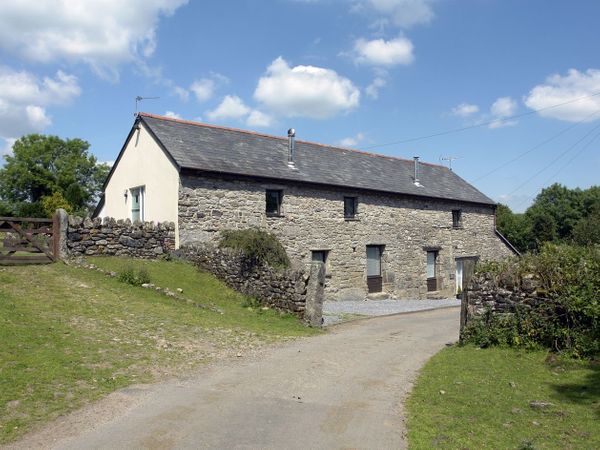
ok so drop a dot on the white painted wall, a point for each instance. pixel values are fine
(143, 163)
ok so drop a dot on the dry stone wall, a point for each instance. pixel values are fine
(296, 290)
(500, 295)
(118, 237)
(313, 219)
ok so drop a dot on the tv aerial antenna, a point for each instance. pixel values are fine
(449, 159)
(138, 99)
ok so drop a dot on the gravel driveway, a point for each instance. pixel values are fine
(342, 311)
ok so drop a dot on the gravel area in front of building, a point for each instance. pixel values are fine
(342, 311)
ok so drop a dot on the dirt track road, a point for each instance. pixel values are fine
(340, 390)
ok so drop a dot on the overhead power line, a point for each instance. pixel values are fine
(536, 146)
(478, 125)
(559, 157)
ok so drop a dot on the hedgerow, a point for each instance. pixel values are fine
(567, 320)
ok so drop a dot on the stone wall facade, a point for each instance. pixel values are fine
(297, 290)
(118, 237)
(312, 219)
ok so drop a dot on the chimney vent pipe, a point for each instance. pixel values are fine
(416, 176)
(291, 147)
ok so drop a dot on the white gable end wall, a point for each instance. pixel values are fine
(143, 164)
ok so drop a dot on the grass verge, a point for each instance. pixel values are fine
(70, 335)
(481, 398)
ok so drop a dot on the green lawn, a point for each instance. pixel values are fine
(70, 335)
(469, 398)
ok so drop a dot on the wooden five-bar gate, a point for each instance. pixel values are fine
(28, 240)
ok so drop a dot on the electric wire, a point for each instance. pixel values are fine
(478, 125)
(550, 178)
(535, 147)
(558, 157)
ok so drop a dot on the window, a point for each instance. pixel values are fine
(137, 204)
(319, 255)
(273, 202)
(374, 280)
(350, 207)
(431, 271)
(456, 218)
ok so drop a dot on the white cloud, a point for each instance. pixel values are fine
(372, 89)
(172, 115)
(203, 89)
(402, 13)
(379, 52)
(180, 92)
(102, 33)
(560, 89)
(502, 108)
(231, 107)
(305, 91)
(465, 109)
(8, 147)
(352, 141)
(24, 98)
(259, 119)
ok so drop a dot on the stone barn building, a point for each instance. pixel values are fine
(382, 225)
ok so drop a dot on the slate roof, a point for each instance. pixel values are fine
(212, 148)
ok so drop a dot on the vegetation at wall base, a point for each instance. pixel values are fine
(71, 335)
(504, 398)
(136, 278)
(257, 245)
(567, 321)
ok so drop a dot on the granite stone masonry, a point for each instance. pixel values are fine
(312, 219)
(287, 290)
(500, 295)
(118, 237)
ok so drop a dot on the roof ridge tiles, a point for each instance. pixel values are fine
(271, 136)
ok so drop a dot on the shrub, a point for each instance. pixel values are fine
(129, 276)
(568, 320)
(257, 245)
(51, 203)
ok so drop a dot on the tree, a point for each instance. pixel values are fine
(587, 230)
(543, 228)
(514, 227)
(564, 205)
(42, 166)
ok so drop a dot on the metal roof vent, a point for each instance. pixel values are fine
(416, 175)
(292, 148)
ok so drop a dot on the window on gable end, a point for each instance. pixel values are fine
(273, 201)
(350, 207)
(457, 218)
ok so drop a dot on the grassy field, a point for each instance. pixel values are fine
(469, 398)
(70, 335)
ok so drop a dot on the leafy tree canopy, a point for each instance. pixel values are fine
(558, 214)
(50, 167)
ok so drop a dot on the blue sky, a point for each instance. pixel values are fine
(359, 73)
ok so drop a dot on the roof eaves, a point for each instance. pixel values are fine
(334, 185)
